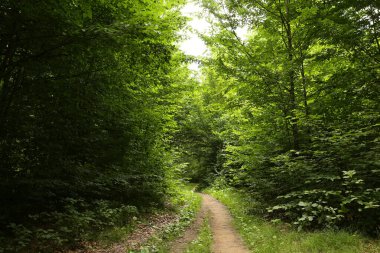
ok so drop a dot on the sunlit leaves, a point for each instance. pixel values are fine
(327, 52)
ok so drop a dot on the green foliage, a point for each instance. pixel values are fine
(298, 108)
(323, 193)
(85, 119)
(204, 240)
(69, 226)
(99, 116)
(264, 236)
(188, 204)
(197, 143)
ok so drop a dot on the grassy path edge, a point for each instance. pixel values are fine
(265, 237)
(203, 242)
(189, 204)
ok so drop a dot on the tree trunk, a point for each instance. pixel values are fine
(304, 89)
(292, 95)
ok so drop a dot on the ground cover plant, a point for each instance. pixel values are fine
(101, 119)
(204, 240)
(275, 236)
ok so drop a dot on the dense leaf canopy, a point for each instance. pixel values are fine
(100, 116)
(292, 109)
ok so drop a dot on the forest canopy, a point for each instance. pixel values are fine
(85, 114)
(100, 118)
(290, 111)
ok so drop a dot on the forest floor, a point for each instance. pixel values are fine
(134, 241)
(153, 232)
(263, 236)
(207, 224)
(225, 237)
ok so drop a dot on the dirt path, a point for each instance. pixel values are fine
(226, 239)
(191, 233)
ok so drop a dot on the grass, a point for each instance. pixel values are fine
(185, 202)
(204, 240)
(265, 237)
(113, 235)
(189, 204)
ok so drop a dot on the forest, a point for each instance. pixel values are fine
(102, 121)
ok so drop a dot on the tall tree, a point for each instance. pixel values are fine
(82, 96)
(306, 105)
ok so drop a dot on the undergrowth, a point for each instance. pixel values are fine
(77, 222)
(203, 243)
(188, 204)
(267, 237)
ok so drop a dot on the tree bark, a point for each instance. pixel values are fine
(292, 95)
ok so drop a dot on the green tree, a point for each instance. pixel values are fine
(82, 114)
(304, 121)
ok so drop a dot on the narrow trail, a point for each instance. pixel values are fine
(191, 233)
(225, 237)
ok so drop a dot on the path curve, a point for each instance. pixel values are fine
(225, 237)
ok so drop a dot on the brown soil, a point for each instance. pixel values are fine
(191, 233)
(136, 239)
(225, 237)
